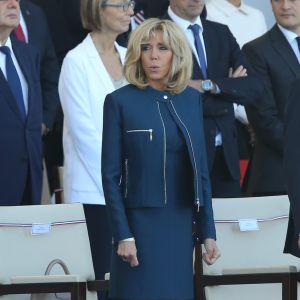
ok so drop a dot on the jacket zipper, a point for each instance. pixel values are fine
(143, 130)
(126, 176)
(196, 172)
(165, 153)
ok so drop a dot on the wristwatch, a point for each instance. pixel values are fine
(207, 85)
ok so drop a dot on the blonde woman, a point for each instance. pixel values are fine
(153, 140)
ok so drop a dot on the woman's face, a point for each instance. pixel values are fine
(156, 60)
(114, 18)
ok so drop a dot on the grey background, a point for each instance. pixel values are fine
(265, 7)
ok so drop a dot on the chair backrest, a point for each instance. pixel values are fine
(63, 235)
(250, 251)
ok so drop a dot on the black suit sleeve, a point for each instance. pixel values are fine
(292, 151)
(264, 117)
(242, 90)
(223, 52)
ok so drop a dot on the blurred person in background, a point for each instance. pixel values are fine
(20, 114)
(275, 56)
(239, 16)
(89, 72)
(222, 75)
(33, 29)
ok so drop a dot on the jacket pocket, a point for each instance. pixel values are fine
(145, 131)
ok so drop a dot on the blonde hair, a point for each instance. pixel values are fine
(181, 67)
(90, 14)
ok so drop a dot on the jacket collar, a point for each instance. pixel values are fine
(283, 48)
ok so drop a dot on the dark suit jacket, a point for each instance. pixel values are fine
(274, 60)
(20, 149)
(39, 36)
(223, 52)
(292, 165)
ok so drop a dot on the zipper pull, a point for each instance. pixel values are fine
(151, 134)
(198, 204)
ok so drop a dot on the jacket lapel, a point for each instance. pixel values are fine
(283, 48)
(7, 96)
(25, 68)
(97, 65)
(209, 47)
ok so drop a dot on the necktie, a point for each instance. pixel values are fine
(14, 81)
(196, 30)
(20, 34)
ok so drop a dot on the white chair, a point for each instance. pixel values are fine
(31, 237)
(253, 256)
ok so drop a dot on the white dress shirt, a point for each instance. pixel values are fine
(291, 38)
(23, 81)
(245, 22)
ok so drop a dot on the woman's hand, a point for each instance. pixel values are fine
(127, 251)
(212, 251)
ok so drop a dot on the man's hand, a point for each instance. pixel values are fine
(238, 72)
(197, 84)
(127, 251)
(212, 252)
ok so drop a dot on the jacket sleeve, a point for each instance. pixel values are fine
(264, 117)
(241, 90)
(205, 219)
(112, 169)
(78, 120)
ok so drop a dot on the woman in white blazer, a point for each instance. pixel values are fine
(89, 72)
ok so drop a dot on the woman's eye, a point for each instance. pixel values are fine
(163, 47)
(145, 47)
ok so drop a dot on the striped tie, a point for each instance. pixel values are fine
(139, 17)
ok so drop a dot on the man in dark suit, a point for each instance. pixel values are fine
(36, 33)
(292, 166)
(221, 74)
(275, 56)
(39, 36)
(20, 115)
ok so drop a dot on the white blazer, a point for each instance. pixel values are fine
(83, 84)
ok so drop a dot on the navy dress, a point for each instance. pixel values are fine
(163, 235)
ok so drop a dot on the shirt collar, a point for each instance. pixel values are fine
(229, 9)
(184, 24)
(289, 35)
(8, 44)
